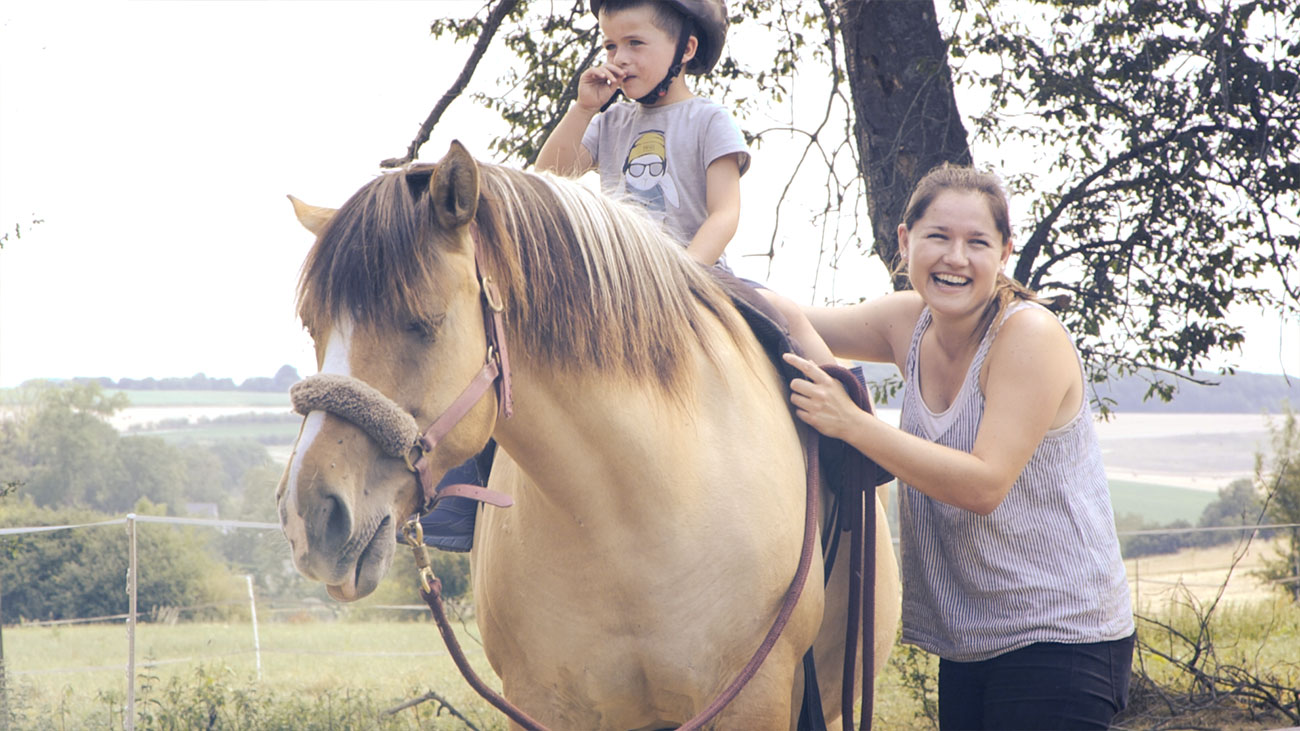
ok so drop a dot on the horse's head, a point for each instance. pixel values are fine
(389, 294)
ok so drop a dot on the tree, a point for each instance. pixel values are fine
(64, 445)
(66, 454)
(1238, 503)
(79, 573)
(1280, 475)
(1152, 143)
(150, 469)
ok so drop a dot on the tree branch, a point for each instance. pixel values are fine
(442, 704)
(1079, 191)
(485, 36)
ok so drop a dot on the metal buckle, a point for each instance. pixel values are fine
(413, 532)
(491, 295)
(410, 465)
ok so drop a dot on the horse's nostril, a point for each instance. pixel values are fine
(339, 522)
(328, 522)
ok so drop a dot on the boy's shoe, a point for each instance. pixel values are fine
(450, 525)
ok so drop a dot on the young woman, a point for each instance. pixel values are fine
(1011, 567)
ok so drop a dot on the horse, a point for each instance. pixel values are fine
(656, 472)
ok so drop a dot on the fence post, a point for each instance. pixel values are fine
(130, 625)
(257, 642)
(1295, 559)
(4, 690)
(1137, 583)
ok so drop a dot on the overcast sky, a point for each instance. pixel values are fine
(157, 141)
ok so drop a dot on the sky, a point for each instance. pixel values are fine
(156, 143)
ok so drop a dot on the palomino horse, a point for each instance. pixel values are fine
(656, 472)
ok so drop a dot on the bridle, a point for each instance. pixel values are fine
(495, 372)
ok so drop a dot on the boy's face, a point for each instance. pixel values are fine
(639, 48)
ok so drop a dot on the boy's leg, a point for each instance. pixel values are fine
(450, 525)
(801, 330)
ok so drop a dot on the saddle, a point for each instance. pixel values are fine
(851, 477)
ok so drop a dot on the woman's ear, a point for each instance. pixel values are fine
(1007, 248)
(903, 243)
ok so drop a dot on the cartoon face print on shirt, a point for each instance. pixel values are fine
(645, 173)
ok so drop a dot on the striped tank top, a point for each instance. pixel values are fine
(1044, 566)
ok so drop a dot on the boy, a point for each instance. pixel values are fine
(677, 154)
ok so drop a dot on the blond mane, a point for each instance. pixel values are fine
(589, 283)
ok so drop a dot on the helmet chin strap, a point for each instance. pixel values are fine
(659, 91)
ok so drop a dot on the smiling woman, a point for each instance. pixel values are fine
(1004, 507)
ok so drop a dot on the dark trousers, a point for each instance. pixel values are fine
(1043, 686)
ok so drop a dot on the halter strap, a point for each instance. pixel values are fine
(495, 371)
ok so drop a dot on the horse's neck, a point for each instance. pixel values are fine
(569, 431)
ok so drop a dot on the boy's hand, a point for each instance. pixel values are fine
(597, 85)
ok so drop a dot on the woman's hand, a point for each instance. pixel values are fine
(821, 401)
(597, 85)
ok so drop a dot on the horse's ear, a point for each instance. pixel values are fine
(313, 218)
(454, 189)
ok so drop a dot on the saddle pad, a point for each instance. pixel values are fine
(840, 462)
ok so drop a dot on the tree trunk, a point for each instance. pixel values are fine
(905, 114)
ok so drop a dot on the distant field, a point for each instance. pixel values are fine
(1158, 503)
(267, 433)
(203, 398)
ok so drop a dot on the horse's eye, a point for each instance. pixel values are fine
(422, 329)
(425, 328)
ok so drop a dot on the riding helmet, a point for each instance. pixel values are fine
(710, 20)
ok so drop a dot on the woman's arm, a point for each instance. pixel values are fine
(1031, 370)
(878, 330)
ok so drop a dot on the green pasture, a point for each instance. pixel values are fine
(75, 676)
(346, 674)
(1159, 504)
(1156, 504)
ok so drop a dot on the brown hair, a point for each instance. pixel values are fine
(665, 16)
(965, 178)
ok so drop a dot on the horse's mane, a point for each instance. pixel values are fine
(590, 283)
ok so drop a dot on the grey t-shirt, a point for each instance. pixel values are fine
(658, 156)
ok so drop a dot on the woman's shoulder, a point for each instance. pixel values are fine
(1032, 320)
(902, 308)
(1032, 336)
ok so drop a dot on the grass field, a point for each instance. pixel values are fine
(1159, 504)
(74, 676)
(347, 674)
